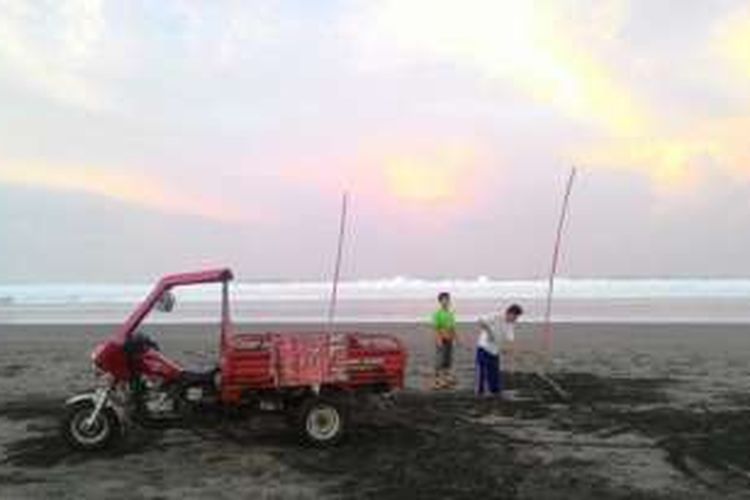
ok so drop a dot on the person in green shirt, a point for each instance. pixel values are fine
(444, 324)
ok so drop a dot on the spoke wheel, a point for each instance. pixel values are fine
(85, 435)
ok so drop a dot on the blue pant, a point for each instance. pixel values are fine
(488, 372)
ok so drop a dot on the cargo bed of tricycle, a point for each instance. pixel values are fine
(252, 362)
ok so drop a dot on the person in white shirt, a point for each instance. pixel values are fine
(493, 331)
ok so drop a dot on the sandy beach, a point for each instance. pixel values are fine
(396, 167)
(655, 412)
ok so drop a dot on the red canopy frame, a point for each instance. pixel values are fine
(222, 275)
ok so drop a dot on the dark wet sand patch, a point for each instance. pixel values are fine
(31, 407)
(585, 388)
(718, 438)
(18, 479)
(12, 370)
(422, 448)
(430, 445)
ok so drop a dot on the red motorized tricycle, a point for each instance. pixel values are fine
(312, 378)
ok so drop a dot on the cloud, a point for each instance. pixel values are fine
(677, 160)
(678, 154)
(247, 30)
(133, 188)
(570, 57)
(50, 47)
(670, 163)
(415, 172)
(732, 40)
(436, 176)
(535, 46)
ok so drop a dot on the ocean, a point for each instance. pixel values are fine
(398, 299)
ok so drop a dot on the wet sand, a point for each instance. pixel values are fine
(654, 412)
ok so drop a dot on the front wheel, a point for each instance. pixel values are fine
(85, 435)
(322, 421)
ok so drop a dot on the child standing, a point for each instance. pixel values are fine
(494, 330)
(444, 324)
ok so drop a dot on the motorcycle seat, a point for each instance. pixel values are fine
(202, 377)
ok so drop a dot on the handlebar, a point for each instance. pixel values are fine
(139, 343)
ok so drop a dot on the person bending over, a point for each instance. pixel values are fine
(494, 330)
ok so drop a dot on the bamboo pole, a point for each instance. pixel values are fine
(547, 334)
(324, 357)
(547, 338)
(339, 258)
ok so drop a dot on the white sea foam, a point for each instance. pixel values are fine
(388, 289)
(396, 299)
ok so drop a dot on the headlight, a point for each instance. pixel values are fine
(96, 351)
(102, 377)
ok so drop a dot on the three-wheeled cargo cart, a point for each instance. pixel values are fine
(313, 379)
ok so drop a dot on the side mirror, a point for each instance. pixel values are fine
(166, 302)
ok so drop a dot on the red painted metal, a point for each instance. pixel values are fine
(110, 356)
(268, 361)
(166, 283)
(287, 360)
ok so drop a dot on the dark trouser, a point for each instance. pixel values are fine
(488, 372)
(444, 356)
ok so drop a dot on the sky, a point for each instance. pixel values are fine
(140, 138)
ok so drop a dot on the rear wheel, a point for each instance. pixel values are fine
(89, 436)
(322, 421)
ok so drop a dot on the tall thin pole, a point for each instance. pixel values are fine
(339, 257)
(547, 339)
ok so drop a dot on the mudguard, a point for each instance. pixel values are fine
(91, 396)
